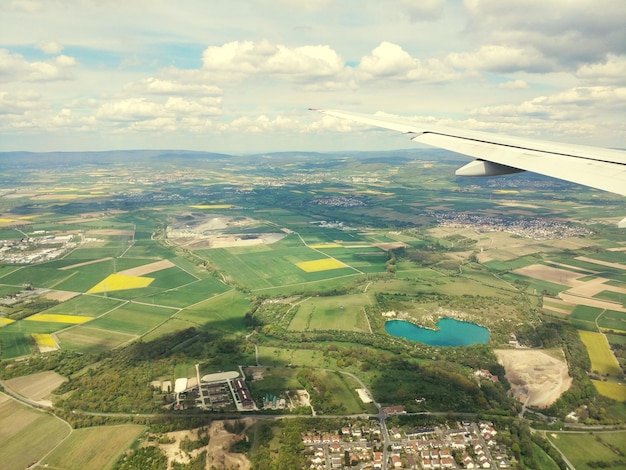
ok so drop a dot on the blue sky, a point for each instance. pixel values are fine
(238, 76)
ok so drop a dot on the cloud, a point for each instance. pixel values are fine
(423, 10)
(22, 5)
(14, 67)
(240, 59)
(390, 61)
(570, 32)
(502, 59)
(160, 86)
(141, 109)
(613, 71)
(19, 102)
(569, 105)
(514, 85)
(50, 47)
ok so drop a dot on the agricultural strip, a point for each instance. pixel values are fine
(5, 321)
(147, 268)
(58, 318)
(602, 359)
(94, 448)
(85, 263)
(324, 264)
(26, 434)
(45, 342)
(120, 282)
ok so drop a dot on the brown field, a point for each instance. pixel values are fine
(536, 378)
(548, 273)
(147, 268)
(36, 386)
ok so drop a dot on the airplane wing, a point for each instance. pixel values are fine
(598, 168)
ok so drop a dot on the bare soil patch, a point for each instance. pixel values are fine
(147, 268)
(391, 245)
(551, 274)
(578, 299)
(218, 456)
(60, 295)
(78, 265)
(602, 263)
(111, 231)
(536, 378)
(36, 386)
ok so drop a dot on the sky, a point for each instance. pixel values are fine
(238, 76)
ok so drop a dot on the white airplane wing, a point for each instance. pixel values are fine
(497, 155)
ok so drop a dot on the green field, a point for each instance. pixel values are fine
(14, 343)
(91, 340)
(187, 295)
(271, 268)
(224, 312)
(344, 312)
(132, 318)
(612, 296)
(612, 320)
(97, 448)
(87, 305)
(582, 448)
(27, 434)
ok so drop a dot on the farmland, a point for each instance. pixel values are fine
(207, 264)
(94, 448)
(27, 435)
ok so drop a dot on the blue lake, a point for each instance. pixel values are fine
(450, 332)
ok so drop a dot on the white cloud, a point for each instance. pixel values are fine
(159, 86)
(423, 10)
(19, 102)
(50, 47)
(14, 67)
(22, 5)
(390, 61)
(240, 59)
(503, 59)
(613, 71)
(569, 105)
(514, 85)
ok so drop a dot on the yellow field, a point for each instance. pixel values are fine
(325, 245)
(505, 191)
(602, 359)
(120, 282)
(7, 221)
(5, 321)
(45, 340)
(213, 206)
(610, 389)
(58, 318)
(324, 264)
